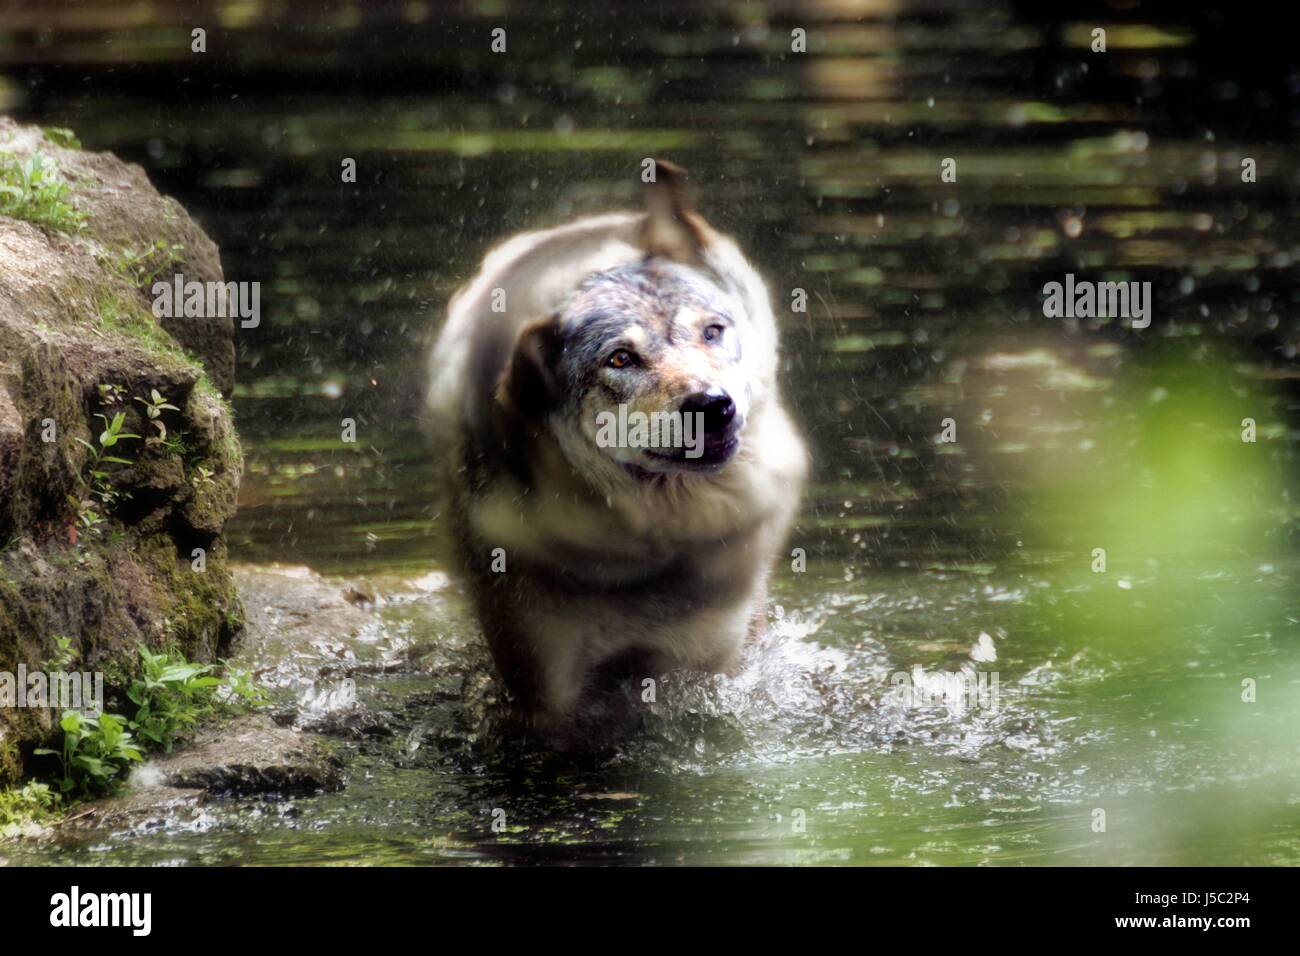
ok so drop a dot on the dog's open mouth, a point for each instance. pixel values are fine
(711, 455)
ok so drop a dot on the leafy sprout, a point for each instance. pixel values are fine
(29, 190)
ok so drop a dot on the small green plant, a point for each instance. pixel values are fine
(142, 267)
(111, 394)
(88, 518)
(96, 749)
(31, 803)
(64, 655)
(239, 693)
(154, 406)
(30, 190)
(171, 695)
(99, 493)
(61, 136)
(202, 476)
(175, 444)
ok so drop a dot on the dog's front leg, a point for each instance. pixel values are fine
(563, 664)
(757, 614)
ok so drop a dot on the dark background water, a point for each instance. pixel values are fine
(924, 305)
(1122, 165)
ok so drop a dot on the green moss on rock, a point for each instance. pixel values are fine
(72, 324)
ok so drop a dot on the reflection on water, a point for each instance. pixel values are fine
(811, 755)
(1119, 690)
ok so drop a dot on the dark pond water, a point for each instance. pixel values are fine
(1119, 691)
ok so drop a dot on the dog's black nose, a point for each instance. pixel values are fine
(715, 405)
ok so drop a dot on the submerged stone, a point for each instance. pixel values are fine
(251, 755)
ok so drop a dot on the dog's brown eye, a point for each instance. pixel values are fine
(712, 333)
(620, 359)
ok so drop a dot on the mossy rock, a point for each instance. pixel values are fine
(77, 339)
(134, 233)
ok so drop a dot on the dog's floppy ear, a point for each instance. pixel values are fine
(671, 229)
(530, 386)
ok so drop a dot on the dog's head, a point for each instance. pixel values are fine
(644, 366)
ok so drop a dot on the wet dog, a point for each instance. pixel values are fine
(617, 466)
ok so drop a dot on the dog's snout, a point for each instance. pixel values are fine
(715, 405)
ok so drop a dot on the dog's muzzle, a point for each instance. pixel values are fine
(718, 433)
